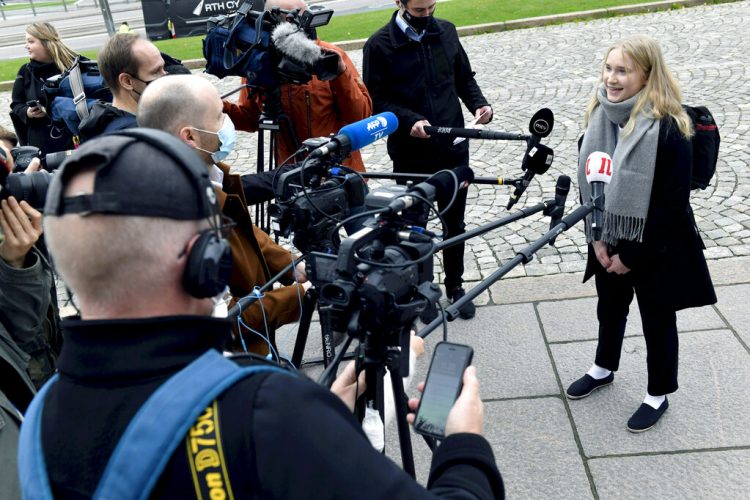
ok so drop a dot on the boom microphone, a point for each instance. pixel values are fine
(598, 173)
(476, 133)
(561, 195)
(538, 157)
(359, 134)
(440, 187)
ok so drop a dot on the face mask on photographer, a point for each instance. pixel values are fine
(227, 137)
(420, 15)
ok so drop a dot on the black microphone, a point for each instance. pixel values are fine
(440, 187)
(561, 195)
(598, 173)
(537, 158)
(476, 133)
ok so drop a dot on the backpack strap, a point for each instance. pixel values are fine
(32, 469)
(79, 94)
(152, 435)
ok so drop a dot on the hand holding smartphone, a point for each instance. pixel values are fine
(34, 104)
(443, 385)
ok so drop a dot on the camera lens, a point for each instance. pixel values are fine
(31, 187)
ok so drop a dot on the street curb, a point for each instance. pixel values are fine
(531, 22)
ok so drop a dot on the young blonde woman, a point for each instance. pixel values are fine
(649, 246)
(48, 56)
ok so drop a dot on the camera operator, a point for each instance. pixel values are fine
(24, 295)
(416, 68)
(315, 109)
(281, 436)
(128, 63)
(28, 305)
(189, 107)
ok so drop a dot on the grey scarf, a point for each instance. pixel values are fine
(627, 196)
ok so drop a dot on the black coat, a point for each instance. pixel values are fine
(670, 258)
(417, 81)
(282, 436)
(36, 131)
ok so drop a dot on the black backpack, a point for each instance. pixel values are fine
(705, 145)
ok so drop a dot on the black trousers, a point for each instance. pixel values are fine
(659, 328)
(453, 257)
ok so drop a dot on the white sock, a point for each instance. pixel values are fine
(597, 372)
(654, 401)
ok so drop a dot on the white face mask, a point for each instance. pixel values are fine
(221, 304)
(227, 137)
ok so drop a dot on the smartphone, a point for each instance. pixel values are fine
(33, 104)
(443, 385)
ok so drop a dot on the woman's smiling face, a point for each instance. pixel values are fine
(621, 77)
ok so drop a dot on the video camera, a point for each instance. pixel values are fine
(380, 282)
(311, 201)
(382, 278)
(269, 47)
(31, 186)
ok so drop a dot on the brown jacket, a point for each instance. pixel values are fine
(255, 259)
(316, 109)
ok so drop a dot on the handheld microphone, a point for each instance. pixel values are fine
(537, 155)
(359, 134)
(476, 133)
(598, 173)
(561, 195)
(440, 187)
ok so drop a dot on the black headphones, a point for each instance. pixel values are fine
(210, 259)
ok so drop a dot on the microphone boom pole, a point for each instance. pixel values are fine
(520, 214)
(491, 181)
(522, 257)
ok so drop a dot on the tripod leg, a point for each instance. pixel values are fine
(308, 307)
(404, 436)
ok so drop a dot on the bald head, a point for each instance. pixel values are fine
(186, 106)
(286, 4)
(177, 101)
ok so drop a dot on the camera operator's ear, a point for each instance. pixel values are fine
(187, 135)
(126, 81)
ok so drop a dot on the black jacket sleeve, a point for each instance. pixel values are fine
(670, 198)
(375, 74)
(325, 454)
(20, 94)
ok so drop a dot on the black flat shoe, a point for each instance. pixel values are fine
(586, 385)
(468, 310)
(646, 417)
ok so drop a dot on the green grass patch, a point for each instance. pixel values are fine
(37, 5)
(357, 26)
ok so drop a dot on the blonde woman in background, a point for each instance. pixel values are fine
(49, 56)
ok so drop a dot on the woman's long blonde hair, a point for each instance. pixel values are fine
(62, 55)
(661, 93)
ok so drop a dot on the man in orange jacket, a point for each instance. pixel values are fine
(315, 109)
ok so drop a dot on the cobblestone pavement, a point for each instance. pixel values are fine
(557, 67)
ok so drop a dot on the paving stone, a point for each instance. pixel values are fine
(508, 349)
(709, 410)
(712, 474)
(733, 304)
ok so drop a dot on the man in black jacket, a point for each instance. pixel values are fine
(282, 436)
(128, 63)
(416, 68)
